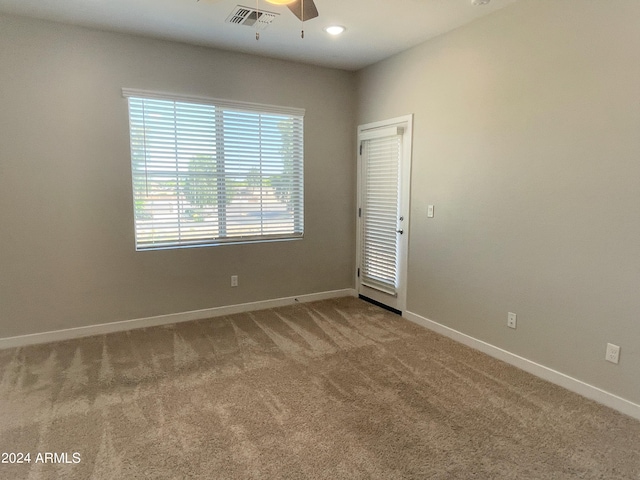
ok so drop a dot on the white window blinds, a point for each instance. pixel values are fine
(212, 171)
(381, 157)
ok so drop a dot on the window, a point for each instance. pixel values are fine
(208, 172)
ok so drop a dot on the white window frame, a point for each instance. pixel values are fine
(264, 139)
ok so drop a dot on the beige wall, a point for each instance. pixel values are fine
(527, 141)
(67, 255)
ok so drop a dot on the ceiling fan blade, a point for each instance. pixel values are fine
(310, 10)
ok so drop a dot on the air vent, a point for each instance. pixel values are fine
(259, 19)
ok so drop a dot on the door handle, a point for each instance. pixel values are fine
(400, 231)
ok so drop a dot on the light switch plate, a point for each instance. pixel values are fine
(430, 211)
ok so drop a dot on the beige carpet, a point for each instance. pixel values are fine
(337, 389)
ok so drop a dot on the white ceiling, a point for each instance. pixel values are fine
(375, 29)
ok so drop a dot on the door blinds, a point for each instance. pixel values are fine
(381, 164)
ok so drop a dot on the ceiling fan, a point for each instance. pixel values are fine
(303, 9)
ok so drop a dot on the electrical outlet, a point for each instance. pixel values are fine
(234, 280)
(511, 320)
(613, 353)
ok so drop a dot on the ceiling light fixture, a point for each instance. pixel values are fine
(281, 2)
(335, 29)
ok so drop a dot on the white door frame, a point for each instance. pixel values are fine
(406, 123)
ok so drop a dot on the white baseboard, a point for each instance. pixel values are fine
(577, 386)
(89, 330)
